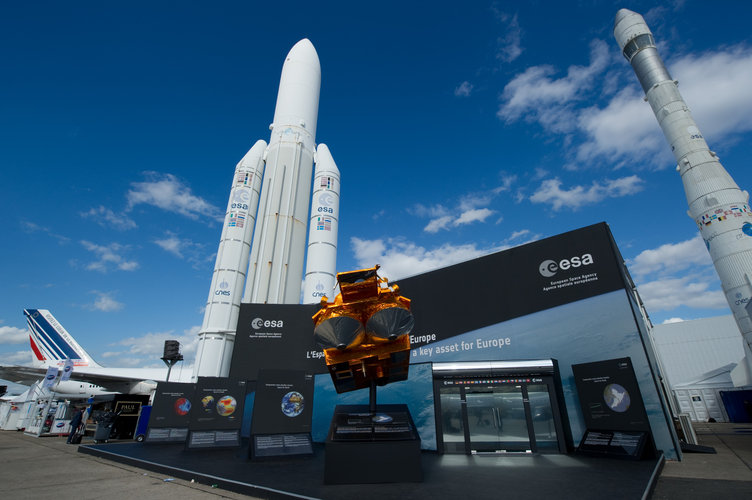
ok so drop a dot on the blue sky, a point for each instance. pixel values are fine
(459, 129)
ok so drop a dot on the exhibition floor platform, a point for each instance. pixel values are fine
(444, 476)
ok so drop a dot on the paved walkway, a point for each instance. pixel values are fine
(726, 474)
(47, 468)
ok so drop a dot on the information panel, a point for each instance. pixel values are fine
(282, 413)
(171, 413)
(609, 396)
(615, 417)
(218, 413)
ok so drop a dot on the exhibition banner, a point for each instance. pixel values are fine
(447, 302)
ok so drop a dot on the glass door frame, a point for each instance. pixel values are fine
(468, 380)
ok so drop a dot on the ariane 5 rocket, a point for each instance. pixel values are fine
(719, 208)
(263, 243)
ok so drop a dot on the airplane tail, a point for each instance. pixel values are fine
(51, 343)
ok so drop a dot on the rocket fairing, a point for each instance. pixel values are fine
(321, 259)
(716, 204)
(278, 248)
(217, 334)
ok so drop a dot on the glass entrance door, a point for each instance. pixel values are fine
(497, 419)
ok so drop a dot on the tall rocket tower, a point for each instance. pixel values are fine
(716, 204)
(264, 231)
(278, 250)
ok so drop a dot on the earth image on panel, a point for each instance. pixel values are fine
(208, 403)
(182, 406)
(292, 404)
(226, 406)
(616, 397)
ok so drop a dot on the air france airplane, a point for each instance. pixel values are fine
(52, 345)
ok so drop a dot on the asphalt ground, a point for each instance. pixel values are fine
(48, 468)
(725, 474)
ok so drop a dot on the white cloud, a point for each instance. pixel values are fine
(107, 218)
(464, 90)
(672, 320)
(171, 244)
(184, 248)
(435, 225)
(32, 227)
(506, 183)
(167, 192)
(670, 258)
(18, 358)
(535, 95)
(715, 85)
(690, 291)
(550, 192)
(399, 259)
(13, 335)
(510, 44)
(475, 215)
(104, 302)
(147, 349)
(109, 257)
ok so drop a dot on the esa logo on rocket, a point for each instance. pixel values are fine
(259, 323)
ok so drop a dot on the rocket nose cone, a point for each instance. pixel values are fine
(305, 52)
(623, 13)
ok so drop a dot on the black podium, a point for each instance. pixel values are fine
(363, 447)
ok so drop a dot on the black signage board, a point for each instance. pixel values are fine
(274, 335)
(282, 413)
(218, 413)
(612, 406)
(127, 409)
(495, 288)
(170, 414)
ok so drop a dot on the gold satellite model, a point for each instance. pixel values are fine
(365, 331)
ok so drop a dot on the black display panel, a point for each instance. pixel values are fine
(218, 413)
(282, 413)
(610, 397)
(283, 402)
(171, 412)
(219, 404)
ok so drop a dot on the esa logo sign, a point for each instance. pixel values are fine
(549, 268)
(268, 323)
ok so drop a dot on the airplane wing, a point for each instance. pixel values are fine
(25, 375)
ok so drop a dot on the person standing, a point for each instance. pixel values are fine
(75, 423)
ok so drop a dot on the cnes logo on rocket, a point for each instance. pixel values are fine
(269, 323)
(549, 268)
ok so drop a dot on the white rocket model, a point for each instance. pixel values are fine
(321, 259)
(273, 251)
(716, 204)
(217, 335)
(277, 254)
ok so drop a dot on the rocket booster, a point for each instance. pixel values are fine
(277, 253)
(321, 259)
(217, 334)
(716, 204)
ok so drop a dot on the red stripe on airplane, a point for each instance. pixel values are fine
(36, 350)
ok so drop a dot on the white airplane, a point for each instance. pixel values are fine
(52, 345)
